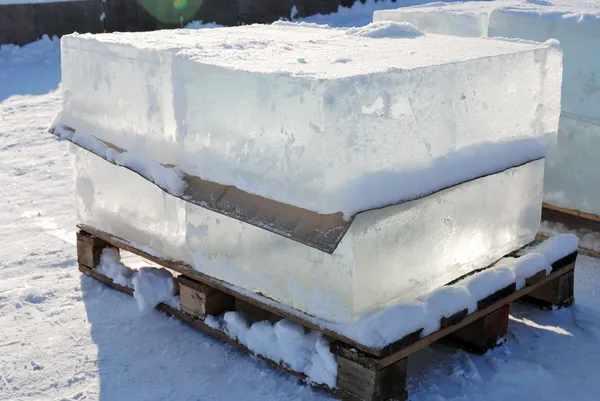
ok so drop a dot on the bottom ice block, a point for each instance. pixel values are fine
(573, 169)
(393, 254)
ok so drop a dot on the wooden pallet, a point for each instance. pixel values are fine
(573, 220)
(364, 373)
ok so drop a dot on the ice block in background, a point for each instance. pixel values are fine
(315, 117)
(571, 178)
(448, 134)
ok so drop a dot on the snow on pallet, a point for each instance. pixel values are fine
(319, 353)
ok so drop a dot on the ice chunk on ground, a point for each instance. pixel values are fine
(382, 112)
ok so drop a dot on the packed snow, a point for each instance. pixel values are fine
(151, 285)
(67, 336)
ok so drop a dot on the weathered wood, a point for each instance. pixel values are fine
(497, 296)
(199, 299)
(89, 249)
(571, 258)
(255, 313)
(571, 212)
(373, 384)
(483, 334)
(536, 278)
(454, 319)
(558, 292)
(342, 350)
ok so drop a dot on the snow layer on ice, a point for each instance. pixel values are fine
(168, 178)
(263, 108)
(151, 285)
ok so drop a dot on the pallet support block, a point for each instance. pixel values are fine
(200, 300)
(558, 292)
(362, 376)
(89, 249)
(484, 333)
(255, 313)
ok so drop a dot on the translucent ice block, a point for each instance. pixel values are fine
(460, 19)
(575, 24)
(324, 119)
(572, 177)
(121, 202)
(393, 254)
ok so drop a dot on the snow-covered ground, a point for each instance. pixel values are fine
(64, 336)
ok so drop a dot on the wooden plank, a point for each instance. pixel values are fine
(89, 249)
(572, 212)
(199, 325)
(454, 319)
(433, 337)
(255, 313)
(199, 300)
(559, 292)
(373, 384)
(183, 268)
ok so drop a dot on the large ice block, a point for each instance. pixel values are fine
(395, 254)
(571, 176)
(324, 119)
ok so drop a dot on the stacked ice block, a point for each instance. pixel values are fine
(435, 158)
(572, 178)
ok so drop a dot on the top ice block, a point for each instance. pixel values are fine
(324, 119)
